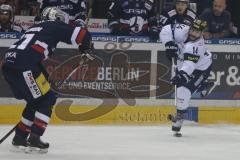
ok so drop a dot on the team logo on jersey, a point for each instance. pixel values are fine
(11, 55)
(135, 11)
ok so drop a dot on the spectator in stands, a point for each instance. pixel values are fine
(6, 20)
(133, 17)
(26, 7)
(75, 9)
(180, 13)
(233, 8)
(218, 19)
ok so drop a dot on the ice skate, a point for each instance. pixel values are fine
(19, 144)
(36, 145)
(177, 122)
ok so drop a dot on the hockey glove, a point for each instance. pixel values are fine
(171, 50)
(88, 50)
(180, 79)
(86, 54)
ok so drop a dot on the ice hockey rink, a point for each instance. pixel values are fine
(199, 142)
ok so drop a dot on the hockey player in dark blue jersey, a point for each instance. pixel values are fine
(132, 17)
(23, 70)
(181, 13)
(75, 9)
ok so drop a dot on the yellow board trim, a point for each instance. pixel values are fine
(131, 115)
(212, 115)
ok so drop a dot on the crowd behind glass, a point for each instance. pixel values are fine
(225, 12)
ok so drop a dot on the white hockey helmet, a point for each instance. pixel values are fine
(54, 13)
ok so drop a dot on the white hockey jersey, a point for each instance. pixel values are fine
(192, 55)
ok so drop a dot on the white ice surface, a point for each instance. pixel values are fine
(219, 142)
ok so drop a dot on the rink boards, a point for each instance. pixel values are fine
(123, 114)
(222, 106)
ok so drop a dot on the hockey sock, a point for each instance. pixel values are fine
(182, 114)
(23, 128)
(40, 123)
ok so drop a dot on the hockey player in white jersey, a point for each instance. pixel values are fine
(186, 45)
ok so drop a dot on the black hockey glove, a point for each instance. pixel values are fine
(171, 50)
(86, 54)
(180, 79)
(88, 50)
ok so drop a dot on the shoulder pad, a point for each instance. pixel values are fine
(172, 13)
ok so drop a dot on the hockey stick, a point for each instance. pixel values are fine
(173, 73)
(84, 58)
(8, 134)
(174, 68)
(170, 116)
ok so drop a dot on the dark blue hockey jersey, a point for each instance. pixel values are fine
(172, 17)
(76, 9)
(39, 42)
(137, 15)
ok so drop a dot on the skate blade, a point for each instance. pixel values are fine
(18, 149)
(35, 150)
